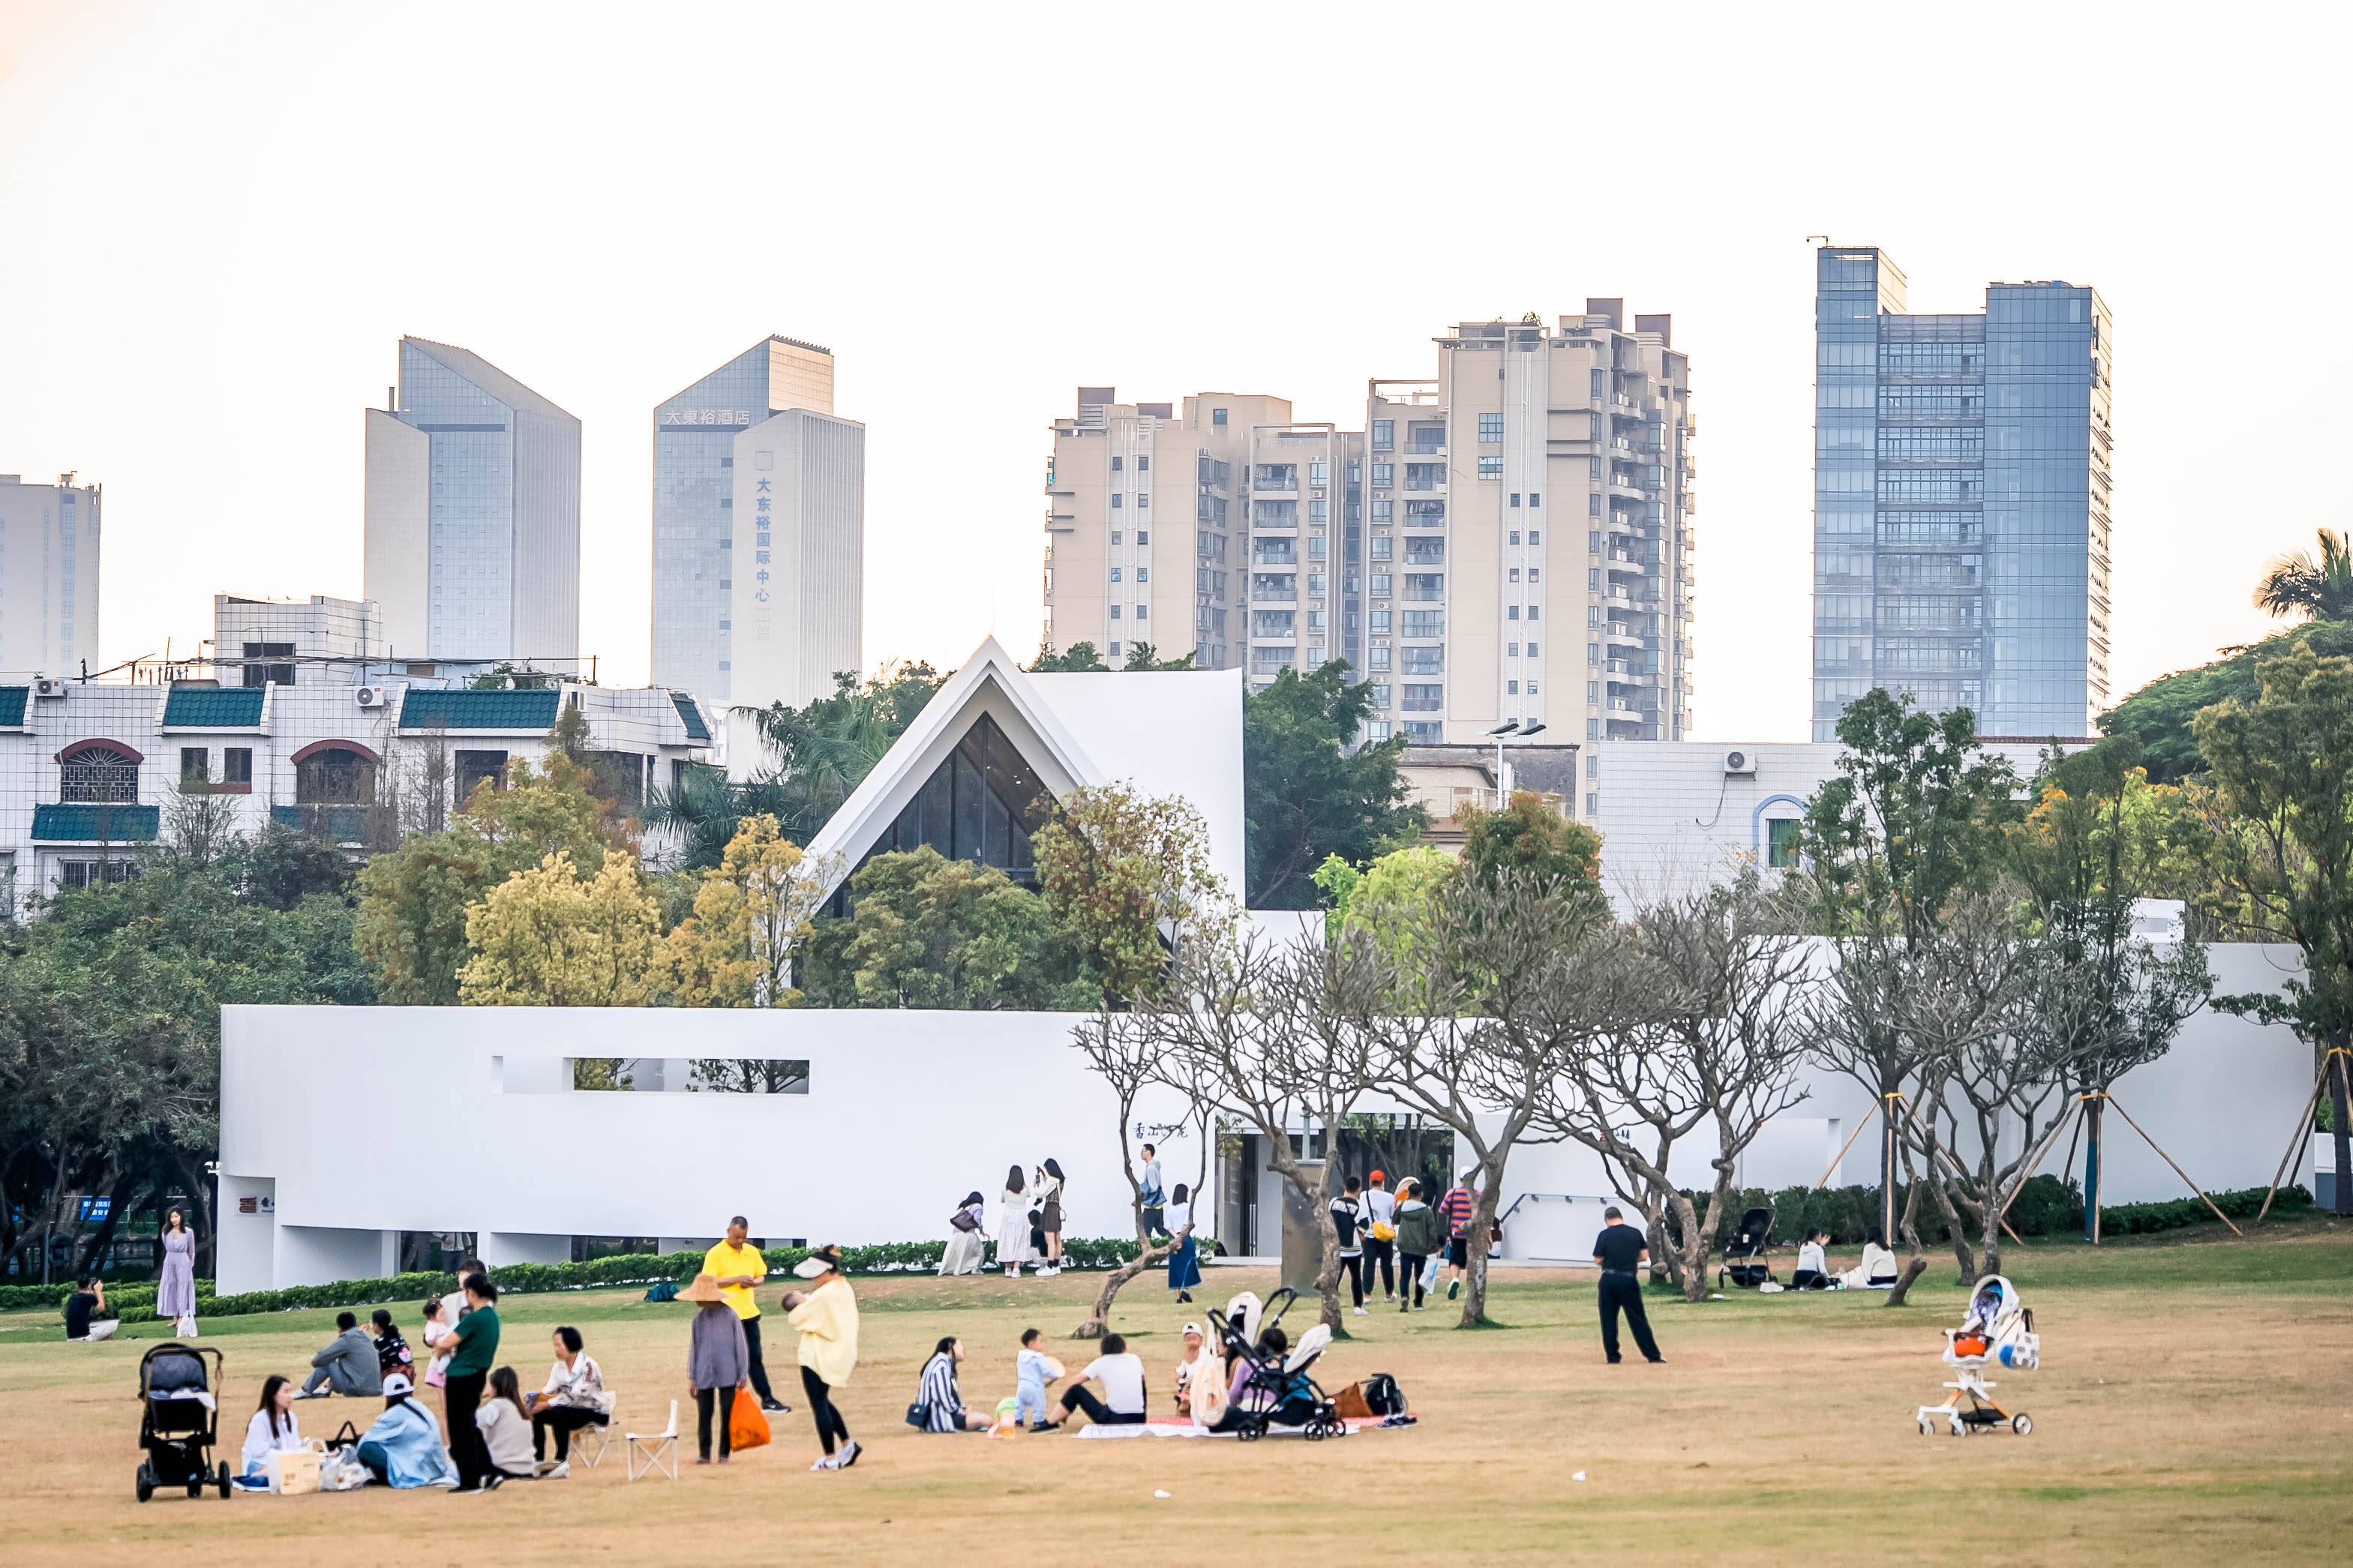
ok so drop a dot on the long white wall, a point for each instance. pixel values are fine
(348, 1125)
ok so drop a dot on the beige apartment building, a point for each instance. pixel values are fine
(1217, 531)
(1509, 541)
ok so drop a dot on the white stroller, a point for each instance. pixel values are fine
(1998, 1331)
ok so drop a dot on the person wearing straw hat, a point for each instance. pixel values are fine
(718, 1363)
(826, 1316)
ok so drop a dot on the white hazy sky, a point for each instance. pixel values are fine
(217, 220)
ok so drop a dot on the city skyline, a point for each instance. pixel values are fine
(936, 299)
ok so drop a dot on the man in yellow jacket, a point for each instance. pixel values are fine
(826, 1316)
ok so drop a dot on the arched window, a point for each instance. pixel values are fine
(100, 774)
(335, 775)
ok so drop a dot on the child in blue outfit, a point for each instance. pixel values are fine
(1035, 1369)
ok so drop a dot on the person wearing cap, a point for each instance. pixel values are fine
(718, 1363)
(1619, 1249)
(826, 1316)
(738, 1267)
(403, 1446)
(1380, 1214)
(1199, 1368)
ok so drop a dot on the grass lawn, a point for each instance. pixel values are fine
(2195, 1406)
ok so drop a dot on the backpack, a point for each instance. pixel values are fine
(667, 1290)
(1382, 1395)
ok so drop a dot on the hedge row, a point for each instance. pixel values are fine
(529, 1279)
(2045, 1207)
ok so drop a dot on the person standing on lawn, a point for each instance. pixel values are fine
(1621, 1249)
(1418, 1238)
(718, 1363)
(1348, 1221)
(827, 1317)
(1380, 1214)
(175, 1294)
(1457, 1207)
(475, 1347)
(1155, 1195)
(738, 1267)
(1185, 1262)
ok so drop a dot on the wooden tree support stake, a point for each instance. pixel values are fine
(2303, 1131)
(1859, 1124)
(2176, 1169)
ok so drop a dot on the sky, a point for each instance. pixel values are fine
(216, 221)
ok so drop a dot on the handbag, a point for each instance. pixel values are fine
(1384, 1231)
(961, 1219)
(747, 1423)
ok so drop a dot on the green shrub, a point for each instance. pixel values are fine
(532, 1278)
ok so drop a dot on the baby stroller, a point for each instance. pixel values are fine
(2000, 1332)
(1281, 1386)
(1744, 1255)
(179, 1419)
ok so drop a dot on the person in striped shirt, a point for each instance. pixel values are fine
(1456, 1207)
(940, 1398)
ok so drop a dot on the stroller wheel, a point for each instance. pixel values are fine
(146, 1480)
(1250, 1431)
(222, 1478)
(196, 1485)
(1927, 1429)
(2022, 1423)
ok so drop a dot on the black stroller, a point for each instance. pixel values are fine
(1281, 1384)
(179, 1419)
(1744, 1255)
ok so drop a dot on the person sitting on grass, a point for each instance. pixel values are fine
(1122, 1375)
(1813, 1269)
(940, 1398)
(506, 1430)
(403, 1448)
(83, 1324)
(1877, 1270)
(348, 1365)
(273, 1429)
(392, 1352)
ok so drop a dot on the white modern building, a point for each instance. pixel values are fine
(89, 772)
(259, 641)
(49, 537)
(473, 513)
(799, 552)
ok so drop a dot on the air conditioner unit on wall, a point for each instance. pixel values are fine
(1740, 762)
(48, 686)
(369, 696)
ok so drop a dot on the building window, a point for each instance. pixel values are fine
(1428, 731)
(1490, 468)
(1384, 439)
(1142, 499)
(1114, 465)
(1143, 465)
(263, 674)
(236, 764)
(1597, 384)
(196, 767)
(1380, 585)
(1781, 841)
(336, 775)
(1143, 573)
(1383, 545)
(1143, 611)
(1117, 500)
(1319, 473)
(1511, 689)
(1382, 512)
(1534, 611)
(1114, 611)
(1217, 417)
(83, 873)
(1532, 650)
(471, 768)
(1423, 698)
(98, 775)
(1115, 573)
(1491, 427)
(1384, 474)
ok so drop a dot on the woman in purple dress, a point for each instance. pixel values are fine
(176, 1295)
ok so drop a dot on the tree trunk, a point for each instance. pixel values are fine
(1912, 1270)
(1692, 1257)
(118, 1187)
(2340, 1128)
(1477, 1238)
(1098, 1320)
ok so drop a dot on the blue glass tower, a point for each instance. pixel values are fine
(694, 523)
(1960, 499)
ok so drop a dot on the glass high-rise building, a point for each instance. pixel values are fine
(694, 564)
(473, 514)
(1961, 478)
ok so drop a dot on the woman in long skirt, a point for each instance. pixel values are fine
(1185, 1262)
(175, 1292)
(967, 1244)
(1013, 1223)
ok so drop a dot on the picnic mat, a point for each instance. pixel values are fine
(1171, 1428)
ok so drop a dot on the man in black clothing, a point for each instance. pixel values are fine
(1621, 1249)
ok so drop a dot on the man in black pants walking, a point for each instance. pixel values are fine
(1621, 1249)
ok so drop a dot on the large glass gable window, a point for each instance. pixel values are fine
(982, 803)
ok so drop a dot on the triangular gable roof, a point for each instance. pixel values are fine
(989, 682)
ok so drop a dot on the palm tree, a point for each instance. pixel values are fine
(2298, 585)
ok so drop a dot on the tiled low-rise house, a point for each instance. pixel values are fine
(90, 772)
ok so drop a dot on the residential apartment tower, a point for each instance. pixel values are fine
(48, 576)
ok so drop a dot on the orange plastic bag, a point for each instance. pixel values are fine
(747, 1424)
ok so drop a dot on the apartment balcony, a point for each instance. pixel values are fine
(1275, 484)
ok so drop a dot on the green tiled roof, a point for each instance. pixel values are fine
(205, 706)
(12, 703)
(696, 730)
(78, 824)
(480, 709)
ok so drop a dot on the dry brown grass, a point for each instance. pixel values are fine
(2196, 1405)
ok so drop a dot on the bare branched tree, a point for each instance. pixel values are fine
(1712, 1038)
(1121, 1051)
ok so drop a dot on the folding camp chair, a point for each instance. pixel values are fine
(590, 1442)
(657, 1448)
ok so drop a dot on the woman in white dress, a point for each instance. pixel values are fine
(967, 1239)
(1013, 1224)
